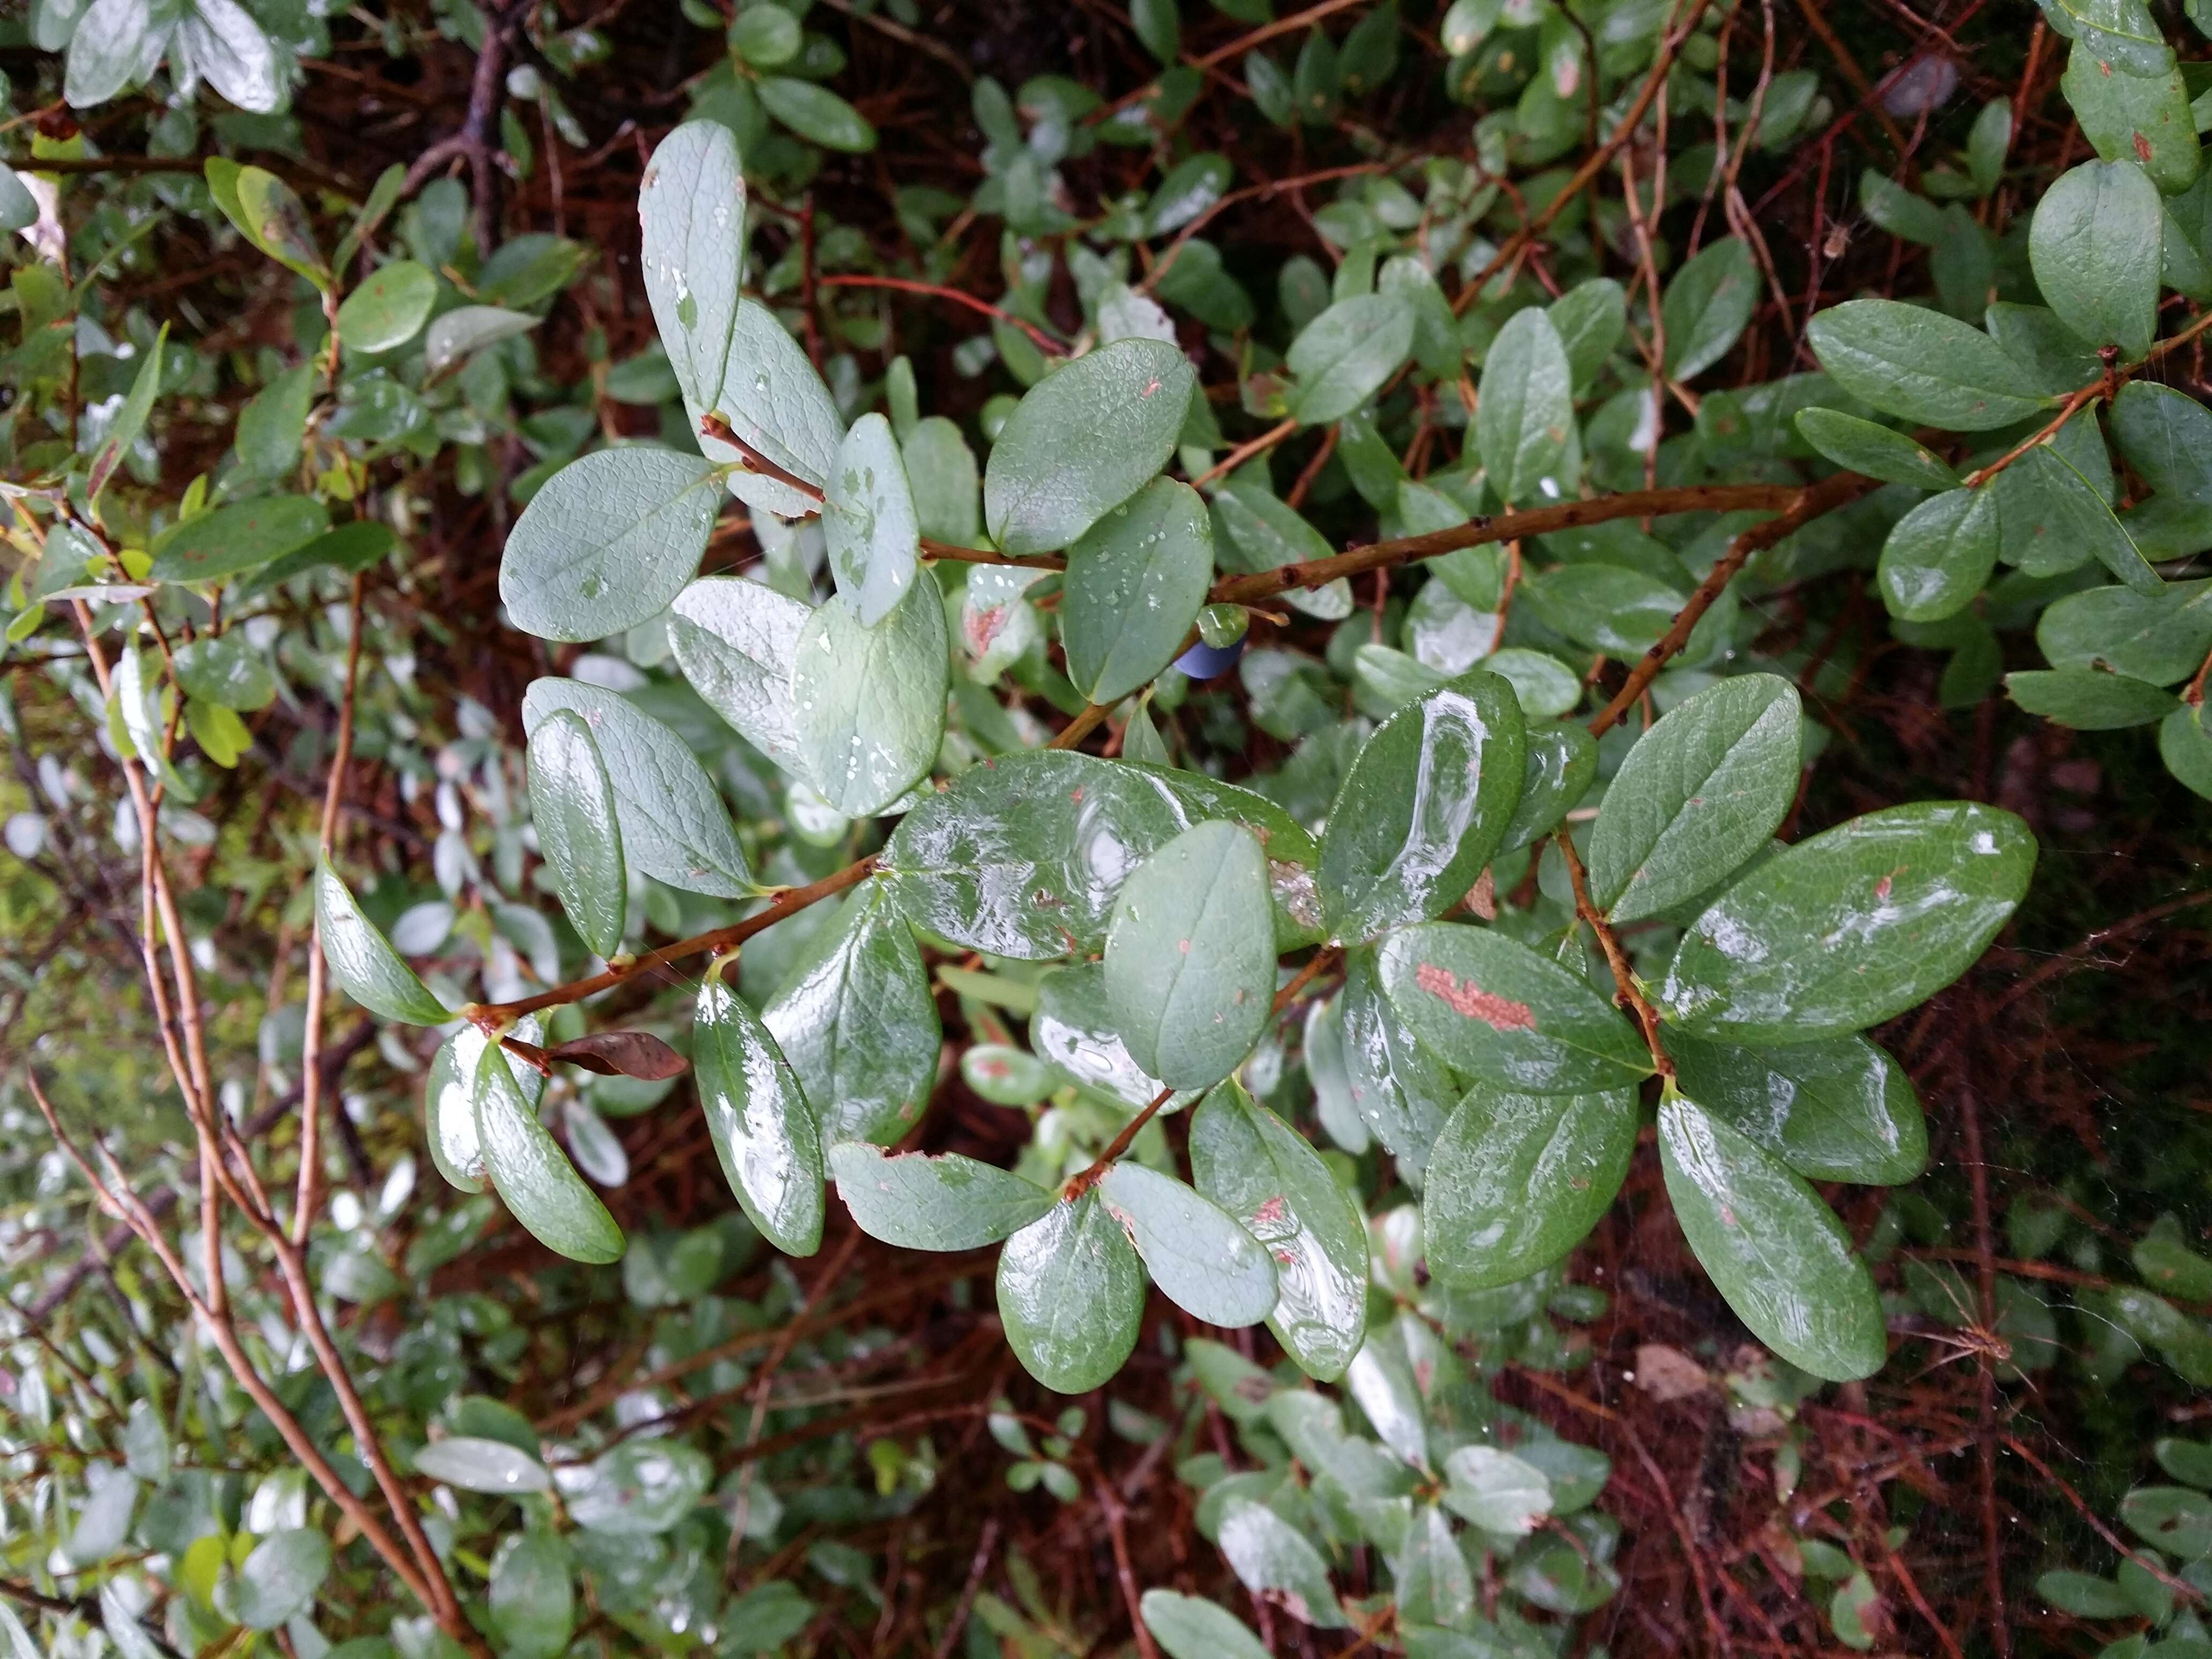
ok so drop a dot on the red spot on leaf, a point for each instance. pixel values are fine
(1268, 1214)
(1471, 1001)
(2142, 150)
(1881, 888)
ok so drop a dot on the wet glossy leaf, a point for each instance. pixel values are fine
(1207, 1265)
(280, 1577)
(533, 1176)
(130, 420)
(1877, 451)
(1515, 1181)
(941, 469)
(1399, 1086)
(1269, 1178)
(1086, 438)
(868, 703)
(224, 670)
(236, 538)
(608, 541)
(1435, 1586)
(478, 1465)
(1707, 303)
(1701, 793)
(1135, 582)
(1773, 1248)
(1275, 1562)
(868, 519)
(1525, 413)
(1191, 1628)
(1341, 358)
(572, 806)
(1023, 855)
(465, 329)
(673, 823)
(691, 209)
(736, 641)
(1190, 955)
(1425, 804)
(449, 1111)
(272, 425)
(1072, 1030)
(1604, 607)
(943, 1203)
(858, 1023)
(533, 1601)
(2170, 1518)
(1917, 362)
(363, 963)
(640, 1489)
(1836, 1110)
(18, 207)
(1939, 557)
(1497, 1490)
(765, 1130)
(1072, 1295)
(1492, 1008)
(2095, 245)
(389, 308)
(772, 399)
(1852, 928)
(1561, 765)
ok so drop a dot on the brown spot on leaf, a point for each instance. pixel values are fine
(2142, 150)
(1471, 1001)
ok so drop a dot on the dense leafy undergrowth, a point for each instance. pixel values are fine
(724, 721)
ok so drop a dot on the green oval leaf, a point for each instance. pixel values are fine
(772, 399)
(478, 1465)
(1524, 416)
(224, 670)
(1492, 1008)
(1084, 438)
(924, 1203)
(1341, 358)
(449, 1110)
(1207, 1265)
(1921, 364)
(1191, 1628)
(1425, 804)
(572, 806)
(1268, 1177)
(674, 826)
(236, 538)
(1852, 928)
(2166, 436)
(815, 113)
(1071, 1295)
(279, 1579)
(868, 703)
(1879, 452)
(455, 334)
(2095, 245)
(533, 1601)
(533, 1176)
(1773, 1248)
(363, 963)
(2090, 699)
(2159, 638)
(1273, 1559)
(1515, 1181)
(1190, 956)
(858, 1023)
(1837, 1110)
(691, 212)
(1707, 303)
(640, 1489)
(1496, 1491)
(1561, 765)
(389, 308)
(1023, 855)
(1699, 793)
(1938, 558)
(1135, 582)
(764, 1128)
(736, 641)
(607, 542)
(868, 519)
(1399, 1086)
